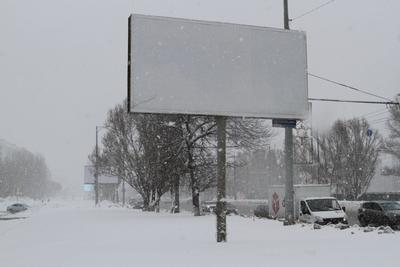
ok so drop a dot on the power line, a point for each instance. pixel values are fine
(377, 114)
(380, 119)
(385, 121)
(373, 112)
(312, 10)
(378, 122)
(386, 118)
(353, 101)
(348, 86)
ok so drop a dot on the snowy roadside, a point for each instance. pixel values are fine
(76, 233)
(33, 205)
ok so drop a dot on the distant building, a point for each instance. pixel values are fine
(108, 185)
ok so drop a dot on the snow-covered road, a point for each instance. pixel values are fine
(77, 234)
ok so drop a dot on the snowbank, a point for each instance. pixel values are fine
(78, 234)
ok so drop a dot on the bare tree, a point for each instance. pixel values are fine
(161, 145)
(140, 149)
(200, 138)
(153, 152)
(348, 156)
(197, 129)
(391, 145)
(23, 173)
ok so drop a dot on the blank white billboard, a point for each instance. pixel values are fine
(209, 68)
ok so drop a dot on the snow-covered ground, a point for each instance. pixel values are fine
(76, 234)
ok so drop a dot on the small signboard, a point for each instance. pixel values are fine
(282, 123)
(103, 179)
(88, 187)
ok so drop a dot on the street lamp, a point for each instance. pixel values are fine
(96, 165)
(96, 169)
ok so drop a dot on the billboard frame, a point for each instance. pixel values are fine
(131, 80)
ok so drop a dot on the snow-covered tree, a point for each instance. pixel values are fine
(348, 156)
(23, 173)
(391, 144)
(142, 150)
(153, 152)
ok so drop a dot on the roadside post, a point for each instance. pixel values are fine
(221, 178)
(96, 169)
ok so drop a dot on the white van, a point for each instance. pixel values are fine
(276, 196)
(321, 210)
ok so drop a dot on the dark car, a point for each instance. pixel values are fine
(211, 206)
(379, 213)
(261, 211)
(378, 196)
(136, 204)
(231, 209)
(17, 207)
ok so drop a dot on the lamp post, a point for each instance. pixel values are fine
(96, 165)
(96, 170)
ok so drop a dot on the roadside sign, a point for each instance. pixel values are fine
(282, 123)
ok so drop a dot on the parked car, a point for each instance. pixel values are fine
(322, 210)
(136, 204)
(261, 211)
(17, 207)
(211, 206)
(379, 213)
(231, 209)
(377, 196)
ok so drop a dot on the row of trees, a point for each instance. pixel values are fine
(391, 145)
(345, 156)
(24, 174)
(155, 154)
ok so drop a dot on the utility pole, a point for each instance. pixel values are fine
(96, 170)
(318, 158)
(289, 194)
(221, 174)
(123, 193)
(235, 186)
(286, 14)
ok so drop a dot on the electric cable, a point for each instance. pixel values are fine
(348, 86)
(312, 10)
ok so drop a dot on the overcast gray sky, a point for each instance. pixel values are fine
(63, 62)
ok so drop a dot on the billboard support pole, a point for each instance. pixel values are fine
(128, 99)
(289, 194)
(221, 174)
